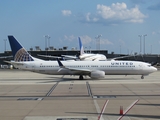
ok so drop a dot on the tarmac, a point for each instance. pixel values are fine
(26, 95)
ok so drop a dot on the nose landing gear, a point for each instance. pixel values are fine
(81, 77)
(142, 77)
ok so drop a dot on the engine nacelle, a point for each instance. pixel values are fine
(97, 74)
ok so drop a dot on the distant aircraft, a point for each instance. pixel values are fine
(87, 56)
(94, 69)
(83, 56)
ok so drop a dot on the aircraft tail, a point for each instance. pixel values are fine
(81, 46)
(18, 51)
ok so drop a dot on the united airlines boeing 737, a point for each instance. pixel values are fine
(94, 69)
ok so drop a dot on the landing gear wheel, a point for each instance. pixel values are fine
(142, 77)
(81, 77)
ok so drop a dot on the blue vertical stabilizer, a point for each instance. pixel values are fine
(19, 53)
(81, 46)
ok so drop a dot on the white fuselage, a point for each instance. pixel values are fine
(92, 57)
(109, 67)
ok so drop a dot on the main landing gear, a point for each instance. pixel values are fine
(81, 77)
(142, 77)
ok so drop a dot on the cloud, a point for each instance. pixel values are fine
(116, 13)
(94, 19)
(87, 40)
(155, 32)
(69, 38)
(105, 42)
(66, 12)
(154, 7)
(121, 42)
(88, 16)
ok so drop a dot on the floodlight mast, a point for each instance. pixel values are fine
(140, 43)
(144, 42)
(47, 37)
(98, 42)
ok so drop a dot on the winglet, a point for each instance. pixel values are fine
(60, 63)
(81, 46)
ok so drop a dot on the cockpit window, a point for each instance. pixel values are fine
(149, 65)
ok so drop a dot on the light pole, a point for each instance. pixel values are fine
(5, 44)
(128, 51)
(45, 42)
(49, 41)
(86, 49)
(98, 41)
(144, 42)
(46, 37)
(140, 44)
(90, 49)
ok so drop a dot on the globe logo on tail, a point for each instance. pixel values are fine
(22, 55)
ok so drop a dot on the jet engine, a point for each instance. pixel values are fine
(97, 74)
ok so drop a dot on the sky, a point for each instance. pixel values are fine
(118, 23)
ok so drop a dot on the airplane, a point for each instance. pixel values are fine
(94, 69)
(87, 56)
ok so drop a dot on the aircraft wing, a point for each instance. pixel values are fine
(63, 56)
(14, 63)
(2, 57)
(87, 71)
(69, 56)
(80, 71)
(49, 56)
(116, 58)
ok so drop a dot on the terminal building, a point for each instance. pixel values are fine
(152, 58)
